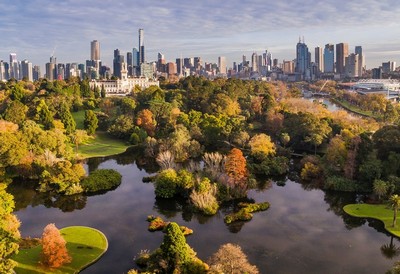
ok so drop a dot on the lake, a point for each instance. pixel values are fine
(304, 230)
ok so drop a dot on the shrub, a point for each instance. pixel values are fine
(204, 197)
(244, 214)
(100, 180)
(310, 171)
(165, 183)
(340, 184)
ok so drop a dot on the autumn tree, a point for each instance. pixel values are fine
(9, 231)
(261, 144)
(54, 253)
(146, 121)
(230, 259)
(235, 166)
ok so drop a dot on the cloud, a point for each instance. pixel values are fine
(206, 28)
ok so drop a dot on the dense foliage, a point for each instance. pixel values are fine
(101, 180)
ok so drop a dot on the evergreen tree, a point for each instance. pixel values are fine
(91, 122)
(67, 119)
(103, 92)
(43, 115)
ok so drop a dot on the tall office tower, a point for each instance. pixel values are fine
(288, 67)
(361, 60)
(161, 63)
(244, 61)
(329, 58)
(142, 58)
(222, 64)
(36, 73)
(2, 71)
(342, 51)
(14, 67)
(95, 50)
(351, 65)
(171, 68)
(26, 69)
(188, 62)
(51, 69)
(319, 59)
(179, 65)
(129, 63)
(118, 63)
(303, 61)
(135, 62)
(254, 62)
(267, 60)
(197, 63)
(275, 63)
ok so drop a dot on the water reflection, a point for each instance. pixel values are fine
(302, 232)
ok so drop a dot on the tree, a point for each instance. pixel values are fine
(395, 203)
(380, 188)
(78, 137)
(43, 115)
(9, 231)
(54, 253)
(146, 121)
(175, 250)
(91, 122)
(67, 119)
(230, 259)
(235, 165)
(103, 92)
(16, 112)
(261, 144)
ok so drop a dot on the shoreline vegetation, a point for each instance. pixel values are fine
(381, 212)
(85, 245)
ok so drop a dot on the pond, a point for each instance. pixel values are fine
(304, 231)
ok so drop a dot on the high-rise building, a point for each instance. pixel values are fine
(222, 65)
(118, 63)
(303, 62)
(319, 59)
(26, 69)
(254, 62)
(342, 51)
(161, 63)
(361, 60)
(142, 58)
(288, 67)
(329, 58)
(3, 71)
(95, 50)
(135, 62)
(36, 73)
(129, 63)
(179, 65)
(51, 69)
(171, 68)
(14, 67)
(351, 65)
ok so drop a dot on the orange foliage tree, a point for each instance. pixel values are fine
(146, 121)
(54, 253)
(235, 166)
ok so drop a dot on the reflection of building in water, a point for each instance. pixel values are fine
(123, 86)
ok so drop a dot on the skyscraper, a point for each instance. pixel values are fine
(14, 66)
(26, 69)
(135, 62)
(329, 58)
(129, 63)
(342, 51)
(142, 58)
(361, 60)
(2, 71)
(319, 59)
(303, 61)
(254, 62)
(222, 64)
(94, 50)
(118, 63)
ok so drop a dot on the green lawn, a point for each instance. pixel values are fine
(381, 212)
(79, 117)
(102, 145)
(85, 245)
(355, 109)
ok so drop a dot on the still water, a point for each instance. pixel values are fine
(304, 230)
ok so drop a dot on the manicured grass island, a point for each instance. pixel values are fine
(380, 212)
(85, 245)
(102, 145)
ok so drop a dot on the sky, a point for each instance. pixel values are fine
(34, 29)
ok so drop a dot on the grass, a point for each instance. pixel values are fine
(79, 117)
(102, 145)
(350, 107)
(380, 212)
(85, 245)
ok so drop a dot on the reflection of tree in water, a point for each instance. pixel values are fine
(390, 250)
(336, 202)
(93, 163)
(232, 206)
(70, 203)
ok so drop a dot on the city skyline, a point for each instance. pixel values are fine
(205, 28)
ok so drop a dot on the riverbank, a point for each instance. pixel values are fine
(85, 246)
(380, 212)
(353, 109)
(102, 145)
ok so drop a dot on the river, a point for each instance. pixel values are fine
(304, 230)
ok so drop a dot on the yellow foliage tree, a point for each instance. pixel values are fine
(262, 144)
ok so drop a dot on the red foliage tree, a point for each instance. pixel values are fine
(235, 166)
(54, 253)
